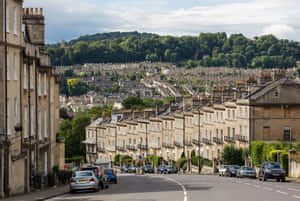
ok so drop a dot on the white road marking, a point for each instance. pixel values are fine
(281, 192)
(185, 198)
(293, 189)
(295, 196)
(269, 189)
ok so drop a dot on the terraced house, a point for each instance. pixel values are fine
(29, 92)
(269, 113)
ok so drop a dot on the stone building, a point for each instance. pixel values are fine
(269, 113)
(29, 100)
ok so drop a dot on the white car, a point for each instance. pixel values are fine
(222, 170)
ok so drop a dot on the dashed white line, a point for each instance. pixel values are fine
(293, 189)
(281, 192)
(296, 196)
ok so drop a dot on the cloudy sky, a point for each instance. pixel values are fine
(68, 19)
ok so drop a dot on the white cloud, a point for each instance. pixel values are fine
(252, 18)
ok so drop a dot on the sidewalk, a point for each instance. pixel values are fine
(293, 180)
(40, 195)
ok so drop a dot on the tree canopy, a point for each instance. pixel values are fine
(209, 49)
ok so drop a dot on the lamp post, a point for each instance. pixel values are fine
(199, 135)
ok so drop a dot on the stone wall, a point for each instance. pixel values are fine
(294, 169)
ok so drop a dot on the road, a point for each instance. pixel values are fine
(189, 188)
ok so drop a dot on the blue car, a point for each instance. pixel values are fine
(110, 175)
(161, 169)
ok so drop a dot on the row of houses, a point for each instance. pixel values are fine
(269, 113)
(29, 100)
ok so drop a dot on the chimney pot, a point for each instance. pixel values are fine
(27, 11)
(31, 11)
(23, 11)
(36, 12)
(41, 12)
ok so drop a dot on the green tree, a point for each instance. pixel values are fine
(132, 102)
(76, 87)
(231, 155)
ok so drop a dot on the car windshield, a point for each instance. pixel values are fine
(235, 167)
(83, 174)
(108, 171)
(148, 166)
(273, 165)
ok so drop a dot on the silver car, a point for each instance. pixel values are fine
(84, 180)
(246, 172)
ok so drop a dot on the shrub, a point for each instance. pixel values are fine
(182, 155)
(117, 159)
(181, 163)
(231, 155)
(257, 152)
(284, 160)
(273, 155)
(126, 159)
(193, 153)
(206, 162)
(195, 160)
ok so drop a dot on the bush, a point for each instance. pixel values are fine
(284, 160)
(182, 155)
(126, 159)
(232, 156)
(181, 163)
(193, 153)
(257, 152)
(206, 162)
(273, 155)
(195, 160)
(117, 159)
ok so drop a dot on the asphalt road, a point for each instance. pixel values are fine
(189, 188)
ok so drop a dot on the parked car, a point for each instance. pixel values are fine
(124, 169)
(161, 169)
(148, 169)
(246, 172)
(271, 170)
(170, 170)
(231, 171)
(223, 169)
(110, 175)
(132, 169)
(97, 172)
(84, 180)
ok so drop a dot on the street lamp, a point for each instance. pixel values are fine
(199, 135)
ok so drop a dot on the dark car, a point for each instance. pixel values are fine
(161, 169)
(170, 170)
(132, 169)
(124, 169)
(148, 169)
(271, 170)
(110, 175)
(231, 170)
(246, 172)
(97, 172)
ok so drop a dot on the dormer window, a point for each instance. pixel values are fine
(276, 94)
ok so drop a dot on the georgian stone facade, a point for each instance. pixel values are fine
(29, 105)
(269, 113)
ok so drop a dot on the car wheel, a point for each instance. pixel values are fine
(283, 180)
(116, 181)
(72, 191)
(278, 180)
(264, 178)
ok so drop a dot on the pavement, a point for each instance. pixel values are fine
(189, 188)
(40, 195)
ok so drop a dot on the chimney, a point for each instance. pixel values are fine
(34, 21)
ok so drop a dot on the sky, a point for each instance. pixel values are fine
(69, 19)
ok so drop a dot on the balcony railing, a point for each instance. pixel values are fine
(121, 148)
(178, 144)
(101, 149)
(155, 147)
(91, 152)
(229, 139)
(111, 149)
(169, 146)
(143, 147)
(196, 142)
(241, 138)
(131, 147)
(206, 141)
(218, 140)
(188, 143)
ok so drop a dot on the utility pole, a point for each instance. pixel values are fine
(199, 136)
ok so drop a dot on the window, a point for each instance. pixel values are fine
(31, 120)
(217, 116)
(25, 122)
(45, 124)
(25, 76)
(7, 19)
(152, 126)
(228, 131)
(15, 66)
(246, 131)
(233, 114)
(287, 134)
(212, 154)
(246, 112)
(40, 125)
(228, 114)
(222, 116)
(141, 127)
(158, 127)
(134, 142)
(166, 125)
(217, 133)
(39, 87)
(206, 117)
(129, 141)
(241, 131)
(233, 133)
(158, 141)
(8, 116)
(210, 136)
(171, 124)
(241, 112)
(166, 139)
(15, 21)
(16, 111)
(221, 132)
(46, 162)
(45, 84)
(31, 76)
(8, 67)
(153, 140)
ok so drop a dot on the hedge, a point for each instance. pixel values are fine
(181, 162)
(257, 152)
(284, 160)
